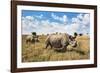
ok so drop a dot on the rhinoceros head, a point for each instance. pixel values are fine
(72, 41)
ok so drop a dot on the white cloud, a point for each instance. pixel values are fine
(86, 19)
(28, 24)
(83, 18)
(84, 22)
(39, 16)
(41, 27)
(62, 19)
(78, 24)
(30, 17)
(80, 16)
(75, 20)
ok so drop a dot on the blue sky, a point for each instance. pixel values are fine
(44, 22)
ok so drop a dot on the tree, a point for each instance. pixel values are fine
(75, 34)
(80, 34)
(35, 37)
(56, 32)
(34, 33)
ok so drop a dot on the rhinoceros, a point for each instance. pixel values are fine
(60, 41)
(32, 39)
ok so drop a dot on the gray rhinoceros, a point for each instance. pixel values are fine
(60, 41)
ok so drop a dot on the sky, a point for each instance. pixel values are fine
(47, 22)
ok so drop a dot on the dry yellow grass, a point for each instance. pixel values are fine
(37, 52)
(83, 43)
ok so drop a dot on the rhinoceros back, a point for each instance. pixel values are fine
(58, 40)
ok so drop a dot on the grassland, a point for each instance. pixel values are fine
(36, 52)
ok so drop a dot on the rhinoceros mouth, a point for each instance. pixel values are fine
(73, 43)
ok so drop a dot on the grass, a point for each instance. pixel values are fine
(36, 52)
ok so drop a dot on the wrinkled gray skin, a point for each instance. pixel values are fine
(60, 41)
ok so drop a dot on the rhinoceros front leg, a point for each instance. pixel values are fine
(64, 48)
(48, 44)
(64, 45)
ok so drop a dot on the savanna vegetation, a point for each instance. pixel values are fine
(36, 52)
